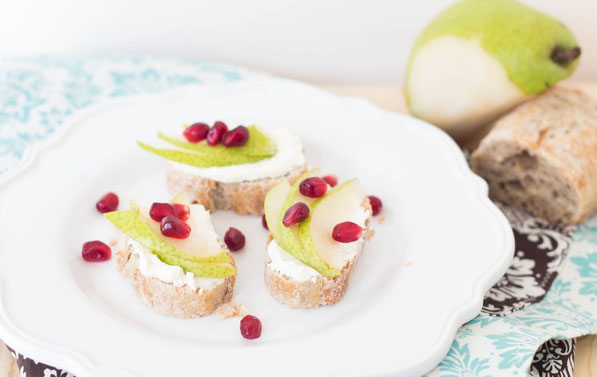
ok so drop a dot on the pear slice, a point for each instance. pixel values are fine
(258, 145)
(212, 270)
(338, 205)
(290, 236)
(274, 201)
(132, 223)
(200, 160)
(181, 198)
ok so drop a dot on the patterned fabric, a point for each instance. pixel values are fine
(547, 295)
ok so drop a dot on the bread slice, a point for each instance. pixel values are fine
(542, 156)
(181, 302)
(317, 291)
(244, 197)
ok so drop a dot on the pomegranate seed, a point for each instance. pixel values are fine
(216, 132)
(375, 204)
(295, 214)
(158, 211)
(331, 180)
(107, 203)
(313, 187)
(264, 222)
(250, 327)
(96, 251)
(347, 232)
(182, 211)
(236, 137)
(196, 132)
(173, 227)
(234, 239)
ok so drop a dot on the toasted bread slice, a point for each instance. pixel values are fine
(166, 298)
(318, 290)
(245, 197)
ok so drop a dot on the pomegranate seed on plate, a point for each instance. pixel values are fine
(234, 239)
(182, 211)
(196, 132)
(216, 132)
(331, 180)
(313, 187)
(96, 251)
(295, 214)
(250, 327)
(173, 227)
(264, 222)
(347, 232)
(158, 211)
(107, 203)
(375, 204)
(236, 137)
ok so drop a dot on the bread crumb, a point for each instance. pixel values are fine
(113, 242)
(408, 264)
(231, 310)
(381, 220)
(370, 234)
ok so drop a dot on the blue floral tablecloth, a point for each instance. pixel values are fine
(529, 318)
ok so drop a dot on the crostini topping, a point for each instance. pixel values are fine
(331, 180)
(250, 327)
(96, 251)
(295, 214)
(182, 211)
(234, 239)
(375, 205)
(107, 203)
(158, 211)
(214, 136)
(313, 187)
(346, 232)
(264, 222)
(173, 227)
(196, 132)
(236, 137)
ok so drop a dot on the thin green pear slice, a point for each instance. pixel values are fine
(132, 224)
(200, 160)
(211, 270)
(338, 205)
(290, 236)
(258, 145)
(274, 201)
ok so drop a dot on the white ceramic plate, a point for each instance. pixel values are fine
(424, 273)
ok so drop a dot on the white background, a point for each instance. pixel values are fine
(351, 41)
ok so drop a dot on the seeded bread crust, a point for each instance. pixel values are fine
(181, 302)
(317, 291)
(244, 197)
(542, 157)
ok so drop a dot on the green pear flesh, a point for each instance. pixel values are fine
(258, 145)
(479, 58)
(338, 205)
(212, 270)
(274, 201)
(200, 160)
(290, 238)
(135, 226)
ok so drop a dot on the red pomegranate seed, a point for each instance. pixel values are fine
(264, 222)
(107, 203)
(158, 211)
(96, 251)
(173, 227)
(182, 211)
(236, 137)
(347, 232)
(375, 204)
(250, 327)
(313, 187)
(234, 239)
(331, 180)
(216, 132)
(196, 132)
(295, 214)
